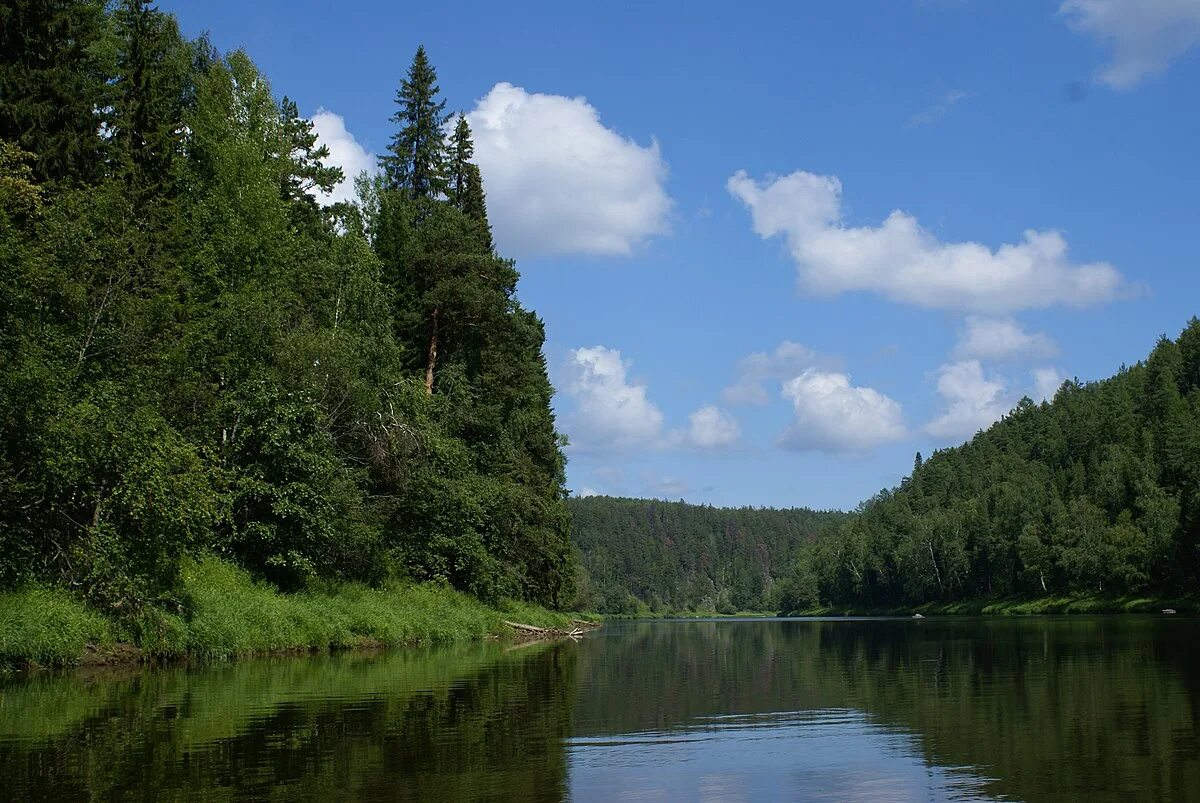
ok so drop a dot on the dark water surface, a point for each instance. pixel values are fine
(1034, 709)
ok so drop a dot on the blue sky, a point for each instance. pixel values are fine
(780, 249)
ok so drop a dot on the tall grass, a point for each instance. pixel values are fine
(226, 613)
(47, 626)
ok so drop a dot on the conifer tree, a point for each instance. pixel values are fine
(474, 204)
(304, 170)
(417, 161)
(153, 63)
(461, 151)
(53, 84)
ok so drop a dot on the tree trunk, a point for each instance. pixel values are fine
(937, 572)
(431, 361)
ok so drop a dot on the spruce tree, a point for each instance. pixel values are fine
(417, 161)
(53, 84)
(153, 66)
(461, 151)
(466, 183)
(474, 204)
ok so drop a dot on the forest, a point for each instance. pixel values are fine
(640, 556)
(201, 362)
(1096, 492)
(205, 366)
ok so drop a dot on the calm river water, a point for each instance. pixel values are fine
(1039, 709)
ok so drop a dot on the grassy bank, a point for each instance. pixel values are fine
(1052, 604)
(224, 613)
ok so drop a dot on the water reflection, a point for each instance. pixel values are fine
(803, 755)
(469, 724)
(1043, 709)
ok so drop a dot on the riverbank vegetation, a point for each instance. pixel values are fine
(1089, 502)
(223, 612)
(207, 371)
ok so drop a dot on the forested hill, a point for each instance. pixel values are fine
(1097, 492)
(640, 554)
(201, 360)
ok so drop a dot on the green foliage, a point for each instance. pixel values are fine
(642, 556)
(416, 164)
(47, 626)
(199, 359)
(55, 62)
(1092, 495)
(222, 612)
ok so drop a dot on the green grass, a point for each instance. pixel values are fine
(226, 613)
(47, 626)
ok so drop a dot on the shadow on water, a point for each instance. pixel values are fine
(1029, 709)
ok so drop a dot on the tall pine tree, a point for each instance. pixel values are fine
(416, 163)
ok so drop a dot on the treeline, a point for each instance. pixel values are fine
(1096, 492)
(198, 358)
(644, 555)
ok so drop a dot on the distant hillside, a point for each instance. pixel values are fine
(640, 554)
(1097, 492)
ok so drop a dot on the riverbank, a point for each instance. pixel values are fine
(1017, 606)
(648, 615)
(223, 613)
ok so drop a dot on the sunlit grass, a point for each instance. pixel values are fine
(226, 613)
(47, 626)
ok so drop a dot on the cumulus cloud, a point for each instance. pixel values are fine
(710, 427)
(973, 402)
(904, 262)
(832, 415)
(585, 492)
(608, 407)
(1002, 339)
(788, 360)
(1046, 382)
(344, 151)
(559, 182)
(1145, 35)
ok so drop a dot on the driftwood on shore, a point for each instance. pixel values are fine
(577, 628)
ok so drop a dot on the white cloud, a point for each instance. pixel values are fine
(710, 427)
(973, 402)
(832, 415)
(585, 492)
(938, 110)
(1002, 339)
(559, 182)
(788, 360)
(904, 262)
(1046, 382)
(666, 486)
(1145, 35)
(344, 152)
(608, 408)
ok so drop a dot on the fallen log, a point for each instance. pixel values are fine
(534, 633)
(526, 628)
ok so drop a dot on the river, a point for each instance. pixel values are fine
(1034, 709)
